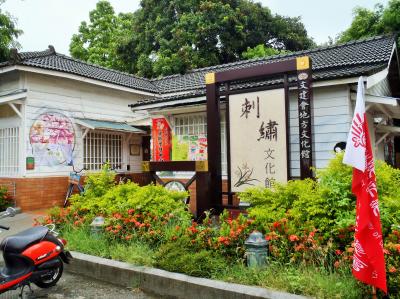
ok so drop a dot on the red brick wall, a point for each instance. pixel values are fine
(46, 192)
(39, 193)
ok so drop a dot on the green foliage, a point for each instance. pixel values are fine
(308, 281)
(179, 257)
(100, 41)
(326, 204)
(261, 51)
(8, 34)
(366, 22)
(169, 37)
(80, 239)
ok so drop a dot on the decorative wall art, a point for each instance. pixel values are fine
(52, 140)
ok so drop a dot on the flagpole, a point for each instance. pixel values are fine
(373, 292)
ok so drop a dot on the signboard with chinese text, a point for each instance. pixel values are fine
(304, 77)
(258, 139)
(161, 135)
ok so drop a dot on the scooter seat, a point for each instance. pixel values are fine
(19, 242)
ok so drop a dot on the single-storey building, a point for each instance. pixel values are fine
(56, 111)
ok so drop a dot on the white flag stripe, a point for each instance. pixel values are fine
(355, 147)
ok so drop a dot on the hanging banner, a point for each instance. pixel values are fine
(161, 135)
(258, 139)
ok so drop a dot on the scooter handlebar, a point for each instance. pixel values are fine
(4, 227)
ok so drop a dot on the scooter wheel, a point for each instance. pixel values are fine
(51, 280)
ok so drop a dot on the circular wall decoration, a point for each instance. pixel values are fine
(52, 139)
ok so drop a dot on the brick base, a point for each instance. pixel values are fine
(46, 192)
(38, 193)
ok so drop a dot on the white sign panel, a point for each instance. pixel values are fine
(258, 139)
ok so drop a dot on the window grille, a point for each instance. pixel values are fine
(100, 148)
(9, 149)
(196, 125)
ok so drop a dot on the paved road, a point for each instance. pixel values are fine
(78, 287)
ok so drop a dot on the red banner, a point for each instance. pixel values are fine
(368, 258)
(161, 135)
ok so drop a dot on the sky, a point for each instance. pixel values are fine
(53, 22)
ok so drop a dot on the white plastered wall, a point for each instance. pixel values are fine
(76, 99)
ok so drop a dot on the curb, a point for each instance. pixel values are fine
(164, 283)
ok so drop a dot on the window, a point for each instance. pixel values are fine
(196, 125)
(9, 149)
(102, 147)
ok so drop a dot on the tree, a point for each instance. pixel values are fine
(166, 37)
(174, 36)
(368, 22)
(8, 34)
(100, 41)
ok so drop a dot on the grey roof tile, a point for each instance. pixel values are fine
(333, 60)
(351, 59)
(51, 60)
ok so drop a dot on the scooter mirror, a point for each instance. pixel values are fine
(11, 212)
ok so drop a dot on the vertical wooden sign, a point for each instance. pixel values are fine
(304, 78)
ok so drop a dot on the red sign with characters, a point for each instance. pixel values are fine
(161, 135)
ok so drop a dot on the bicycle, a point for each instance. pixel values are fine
(73, 180)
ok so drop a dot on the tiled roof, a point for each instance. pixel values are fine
(351, 59)
(51, 60)
(356, 58)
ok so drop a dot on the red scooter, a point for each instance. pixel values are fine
(34, 255)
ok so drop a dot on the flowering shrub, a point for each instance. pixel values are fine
(5, 199)
(312, 222)
(307, 222)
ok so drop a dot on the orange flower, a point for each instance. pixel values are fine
(336, 264)
(293, 238)
(397, 247)
(392, 270)
(223, 240)
(350, 249)
(338, 252)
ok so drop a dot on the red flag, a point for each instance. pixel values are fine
(368, 258)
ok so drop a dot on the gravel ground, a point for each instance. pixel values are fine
(78, 287)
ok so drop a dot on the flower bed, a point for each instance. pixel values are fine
(309, 226)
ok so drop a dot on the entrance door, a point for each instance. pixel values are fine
(146, 148)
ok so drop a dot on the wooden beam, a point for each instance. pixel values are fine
(85, 133)
(262, 70)
(16, 110)
(381, 139)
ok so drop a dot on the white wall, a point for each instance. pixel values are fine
(380, 89)
(76, 99)
(331, 122)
